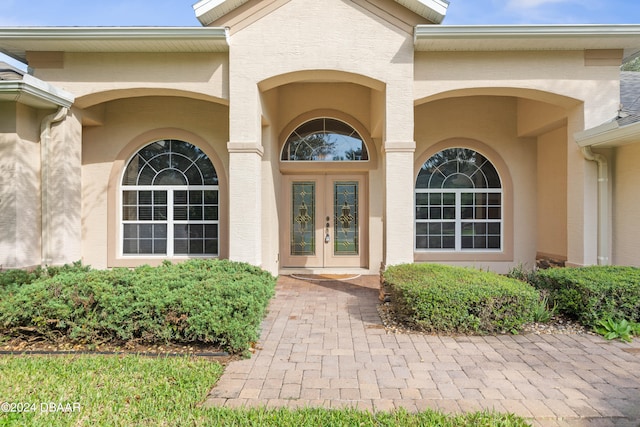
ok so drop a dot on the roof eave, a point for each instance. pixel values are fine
(433, 10)
(609, 135)
(527, 37)
(208, 11)
(35, 93)
(15, 41)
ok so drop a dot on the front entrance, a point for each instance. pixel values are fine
(326, 221)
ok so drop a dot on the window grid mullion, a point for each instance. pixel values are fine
(170, 222)
(458, 226)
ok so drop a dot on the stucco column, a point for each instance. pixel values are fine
(19, 188)
(399, 148)
(399, 183)
(64, 192)
(245, 207)
(245, 166)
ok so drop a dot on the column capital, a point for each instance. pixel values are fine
(399, 147)
(245, 147)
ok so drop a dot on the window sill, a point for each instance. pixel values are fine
(153, 261)
(442, 256)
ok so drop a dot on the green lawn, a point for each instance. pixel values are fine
(140, 391)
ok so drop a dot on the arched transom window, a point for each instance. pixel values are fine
(458, 203)
(325, 139)
(170, 202)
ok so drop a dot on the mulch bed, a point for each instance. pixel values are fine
(26, 344)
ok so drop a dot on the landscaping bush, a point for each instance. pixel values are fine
(20, 277)
(441, 298)
(207, 301)
(593, 294)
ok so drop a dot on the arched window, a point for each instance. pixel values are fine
(170, 202)
(458, 203)
(325, 139)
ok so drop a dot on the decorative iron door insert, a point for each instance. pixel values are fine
(345, 215)
(303, 216)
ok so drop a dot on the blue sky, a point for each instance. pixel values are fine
(180, 12)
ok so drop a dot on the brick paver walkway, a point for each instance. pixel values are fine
(323, 345)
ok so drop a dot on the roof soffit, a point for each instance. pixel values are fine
(210, 11)
(16, 41)
(429, 38)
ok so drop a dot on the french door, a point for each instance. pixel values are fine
(326, 221)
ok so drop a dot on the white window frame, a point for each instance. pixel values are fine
(170, 221)
(458, 192)
(458, 218)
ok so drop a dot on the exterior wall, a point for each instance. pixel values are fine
(95, 78)
(491, 122)
(541, 75)
(63, 234)
(119, 97)
(590, 94)
(552, 194)
(19, 186)
(128, 125)
(626, 205)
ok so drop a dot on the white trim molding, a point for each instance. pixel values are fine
(527, 37)
(208, 11)
(16, 41)
(35, 93)
(608, 135)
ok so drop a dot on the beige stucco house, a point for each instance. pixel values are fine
(333, 135)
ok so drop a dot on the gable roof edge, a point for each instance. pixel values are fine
(208, 11)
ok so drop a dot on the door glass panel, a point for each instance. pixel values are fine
(303, 224)
(345, 215)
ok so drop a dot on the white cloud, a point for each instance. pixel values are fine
(531, 4)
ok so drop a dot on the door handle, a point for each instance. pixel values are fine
(327, 237)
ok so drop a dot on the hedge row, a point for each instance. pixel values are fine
(441, 298)
(591, 294)
(207, 301)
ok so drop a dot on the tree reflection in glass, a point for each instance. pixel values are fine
(326, 140)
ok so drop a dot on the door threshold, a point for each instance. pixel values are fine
(289, 271)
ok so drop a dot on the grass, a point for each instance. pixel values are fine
(138, 391)
(110, 390)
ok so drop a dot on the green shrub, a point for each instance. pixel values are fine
(208, 301)
(18, 277)
(592, 294)
(440, 298)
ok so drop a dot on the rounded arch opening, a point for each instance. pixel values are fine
(552, 98)
(320, 76)
(354, 147)
(463, 203)
(96, 98)
(166, 200)
(324, 139)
